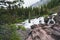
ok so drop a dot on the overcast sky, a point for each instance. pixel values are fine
(28, 2)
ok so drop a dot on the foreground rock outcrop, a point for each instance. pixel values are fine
(39, 32)
(45, 32)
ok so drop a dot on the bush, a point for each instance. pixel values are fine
(8, 32)
(22, 28)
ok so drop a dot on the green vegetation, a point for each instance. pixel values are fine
(8, 32)
(22, 28)
(19, 14)
(51, 6)
(15, 14)
(53, 3)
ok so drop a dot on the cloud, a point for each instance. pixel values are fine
(29, 2)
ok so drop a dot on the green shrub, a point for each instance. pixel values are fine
(22, 28)
(8, 32)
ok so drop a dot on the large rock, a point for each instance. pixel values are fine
(46, 32)
(43, 32)
(57, 18)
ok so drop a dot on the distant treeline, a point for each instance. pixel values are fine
(19, 14)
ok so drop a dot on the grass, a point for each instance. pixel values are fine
(22, 28)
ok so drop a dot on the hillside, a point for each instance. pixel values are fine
(39, 3)
(56, 9)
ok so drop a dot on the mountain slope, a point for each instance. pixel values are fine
(39, 3)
